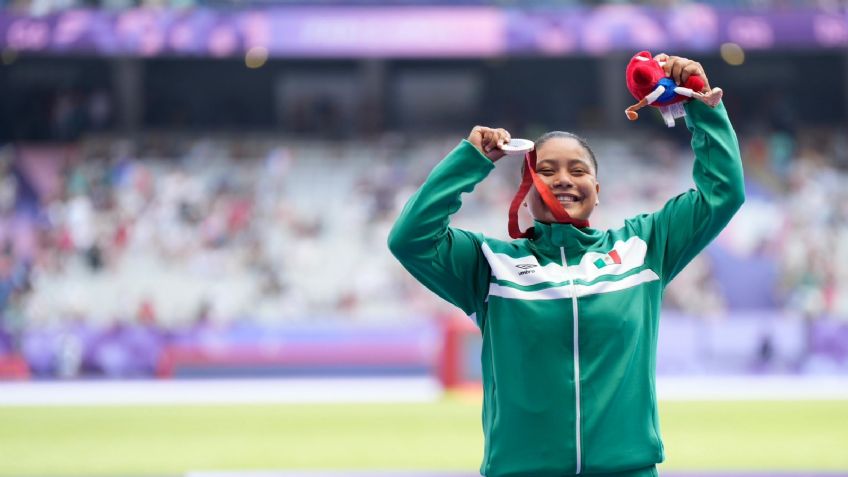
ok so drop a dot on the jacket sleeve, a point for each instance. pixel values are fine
(446, 260)
(689, 222)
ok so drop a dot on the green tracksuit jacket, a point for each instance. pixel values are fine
(569, 351)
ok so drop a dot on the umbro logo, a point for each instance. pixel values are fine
(526, 268)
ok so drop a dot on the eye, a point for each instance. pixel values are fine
(578, 171)
(545, 172)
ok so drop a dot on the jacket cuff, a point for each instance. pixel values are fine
(471, 157)
(699, 113)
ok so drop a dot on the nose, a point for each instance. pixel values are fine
(562, 179)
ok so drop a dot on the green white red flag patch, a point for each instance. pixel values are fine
(612, 258)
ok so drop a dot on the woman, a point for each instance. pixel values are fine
(569, 315)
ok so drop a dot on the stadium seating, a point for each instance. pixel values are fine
(109, 252)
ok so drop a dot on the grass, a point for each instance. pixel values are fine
(781, 435)
(160, 440)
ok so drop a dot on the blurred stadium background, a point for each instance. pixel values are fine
(195, 196)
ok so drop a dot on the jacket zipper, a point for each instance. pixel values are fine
(578, 443)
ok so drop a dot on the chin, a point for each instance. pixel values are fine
(579, 216)
(576, 214)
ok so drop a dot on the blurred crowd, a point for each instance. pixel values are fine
(174, 233)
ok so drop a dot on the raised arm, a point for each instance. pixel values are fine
(447, 260)
(690, 221)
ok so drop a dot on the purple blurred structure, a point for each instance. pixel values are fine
(80, 349)
(744, 344)
(251, 350)
(414, 32)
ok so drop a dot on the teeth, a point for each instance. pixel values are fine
(567, 198)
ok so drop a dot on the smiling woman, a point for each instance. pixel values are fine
(569, 314)
(567, 165)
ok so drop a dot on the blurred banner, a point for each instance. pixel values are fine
(414, 32)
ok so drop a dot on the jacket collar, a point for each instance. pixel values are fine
(565, 235)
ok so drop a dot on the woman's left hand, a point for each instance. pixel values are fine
(680, 69)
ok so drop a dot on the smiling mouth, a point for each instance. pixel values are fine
(568, 199)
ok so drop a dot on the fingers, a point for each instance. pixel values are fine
(680, 69)
(506, 135)
(677, 70)
(489, 140)
(703, 76)
(494, 138)
(476, 136)
(692, 69)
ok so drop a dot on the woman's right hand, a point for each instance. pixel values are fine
(489, 141)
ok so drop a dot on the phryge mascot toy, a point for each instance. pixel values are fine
(651, 85)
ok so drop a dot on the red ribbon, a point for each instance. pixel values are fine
(531, 178)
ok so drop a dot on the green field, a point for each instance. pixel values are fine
(158, 440)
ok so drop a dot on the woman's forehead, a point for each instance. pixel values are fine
(562, 148)
(563, 154)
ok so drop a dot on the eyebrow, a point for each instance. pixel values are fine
(555, 162)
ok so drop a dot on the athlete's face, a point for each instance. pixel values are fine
(566, 168)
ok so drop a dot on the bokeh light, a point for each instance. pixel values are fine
(256, 57)
(732, 54)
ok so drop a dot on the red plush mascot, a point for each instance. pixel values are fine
(648, 82)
